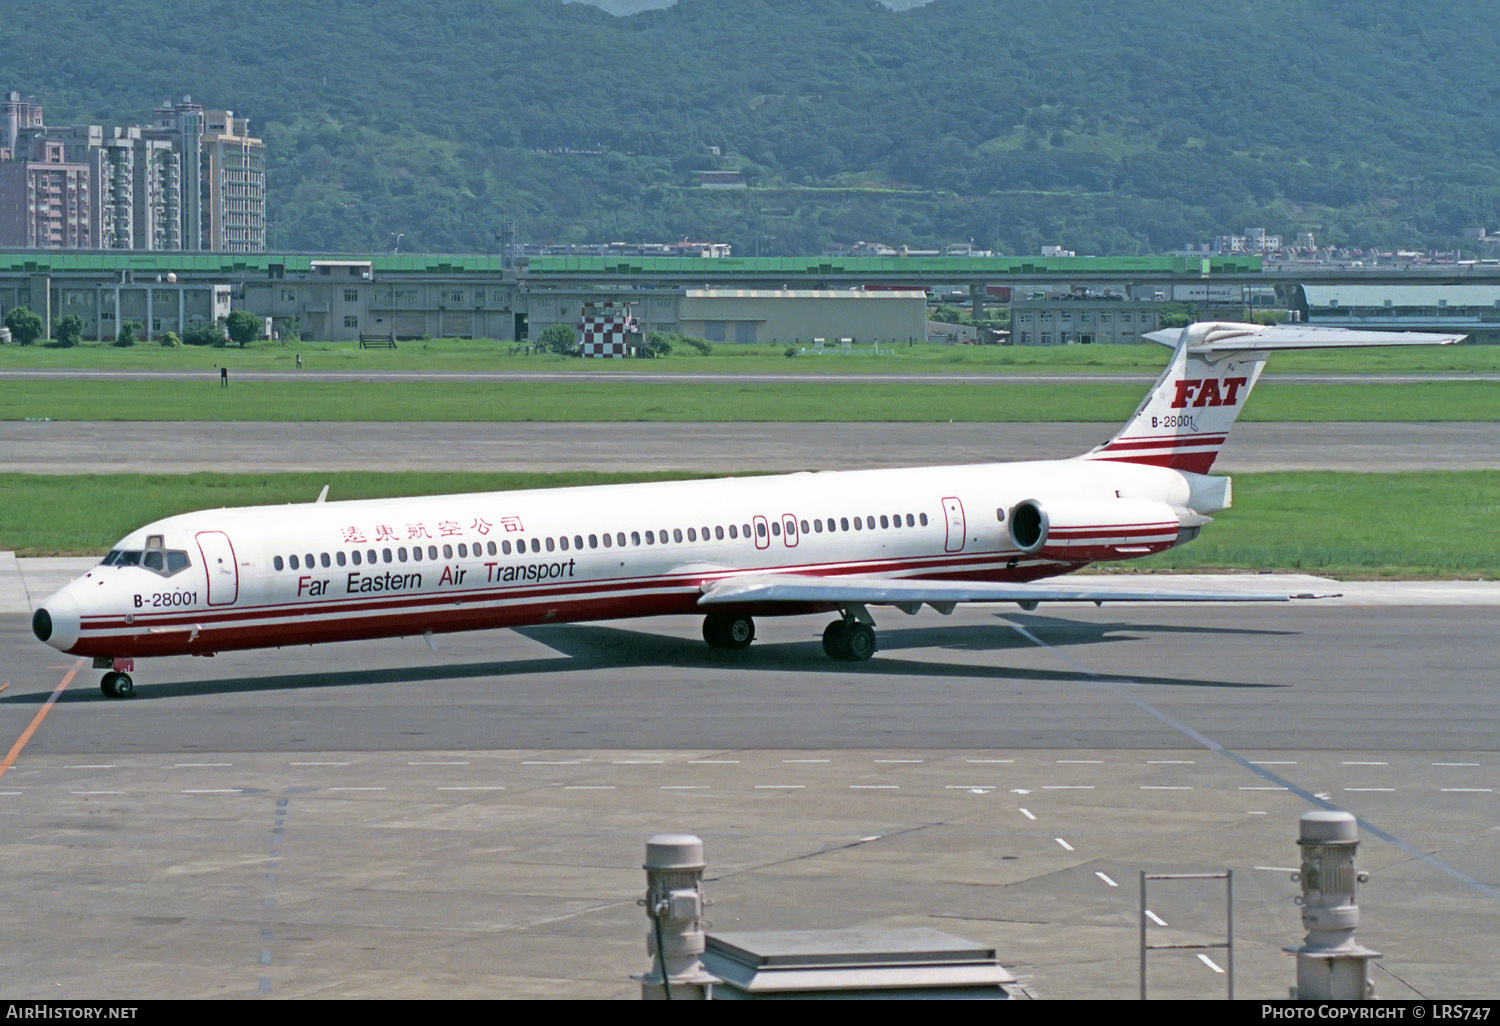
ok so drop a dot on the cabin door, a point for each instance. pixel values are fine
(954, 511)
(220, 566)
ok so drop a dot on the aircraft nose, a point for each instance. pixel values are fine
(57, 622)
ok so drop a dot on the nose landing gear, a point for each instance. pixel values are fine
(117, 685)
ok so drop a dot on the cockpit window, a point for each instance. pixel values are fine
(165, 562)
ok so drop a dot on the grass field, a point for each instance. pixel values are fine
(1416, 525)
(484, 354)
(585, 400)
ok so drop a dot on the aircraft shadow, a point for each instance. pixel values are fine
(587, 647)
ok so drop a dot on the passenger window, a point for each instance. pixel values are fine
(718, 533)
(275, 561)
(536, 546)
(416, 553)
(843, 523)
(635, 537)
(776, 528)
(549, 544)
(593, 541)
(370, 557)
(923, 519)
(447, 551)
(676, 534)
(870, 523)
(650, 537)
(505, 547)
(734, 532)
(294, 564)
(692, 534)
(804, 527)
(605, 538)
(760, 530)
(401, 554)
(323, 558)
(490, 547)
(310, 561)
(340, 558)
(563, 541)
(355, 557)
(858, 524)
(432, 552)
(910, 520)
(385, 554)
(463, 550)
(885, 521)
(746, 529)
(578, 541)
(817, 527)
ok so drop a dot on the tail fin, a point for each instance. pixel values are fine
(1185, 420)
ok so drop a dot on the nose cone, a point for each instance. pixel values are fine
(57, 621)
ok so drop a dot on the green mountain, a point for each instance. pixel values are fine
(1108, 126)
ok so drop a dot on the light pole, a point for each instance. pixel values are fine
(397, 236)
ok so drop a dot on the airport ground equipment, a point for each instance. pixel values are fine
(1331, 964)
(690, 964)
(674, 903)
(1227, 944)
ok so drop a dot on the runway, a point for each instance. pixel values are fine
(378, 820)
(600, 372)
(260, 447)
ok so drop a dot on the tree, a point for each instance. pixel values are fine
(244, 326)
(559, 338)
(207, 334)
(68, 331)
(126, 335)
(25, 326)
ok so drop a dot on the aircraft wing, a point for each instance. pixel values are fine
(909, 592)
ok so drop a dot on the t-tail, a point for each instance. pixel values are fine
(1185, 420)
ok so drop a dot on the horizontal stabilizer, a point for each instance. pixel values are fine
(904, 591)
(1217, 337)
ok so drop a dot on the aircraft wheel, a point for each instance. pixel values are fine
(722, 630)
(859, 641)
(117, 685)
(836, 641)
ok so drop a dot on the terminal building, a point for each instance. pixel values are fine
(410, 297)
(1471, 309)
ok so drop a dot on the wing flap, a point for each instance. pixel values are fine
(903, 591)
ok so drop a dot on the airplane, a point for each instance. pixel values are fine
(731, 549)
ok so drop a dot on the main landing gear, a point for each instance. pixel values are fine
(728, 631)
(117, 685)
(849, 641)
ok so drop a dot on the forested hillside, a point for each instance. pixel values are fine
(1108, 126)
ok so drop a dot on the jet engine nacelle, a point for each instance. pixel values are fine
(1085, 530)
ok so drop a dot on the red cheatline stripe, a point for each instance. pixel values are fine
(206, 618)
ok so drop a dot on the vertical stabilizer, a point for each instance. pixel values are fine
(1185, 420)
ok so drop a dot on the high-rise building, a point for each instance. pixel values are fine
(45, 202)
(190, 180)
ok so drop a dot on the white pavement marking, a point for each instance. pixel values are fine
(1364, 764)
(713, 762)
(1455, 764)
(874, 787)
(1170, 762)
(320, 764)
(1469, 790)
(1105, 879)
(1208, 962)
(1027, 814)
(1065, 844)
(473, 787)
(1369, 789)
(201, 765)
(1158, 920)
(437, 764)
(215, 790)
(1166, 787)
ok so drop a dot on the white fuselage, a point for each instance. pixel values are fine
(307, 573)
